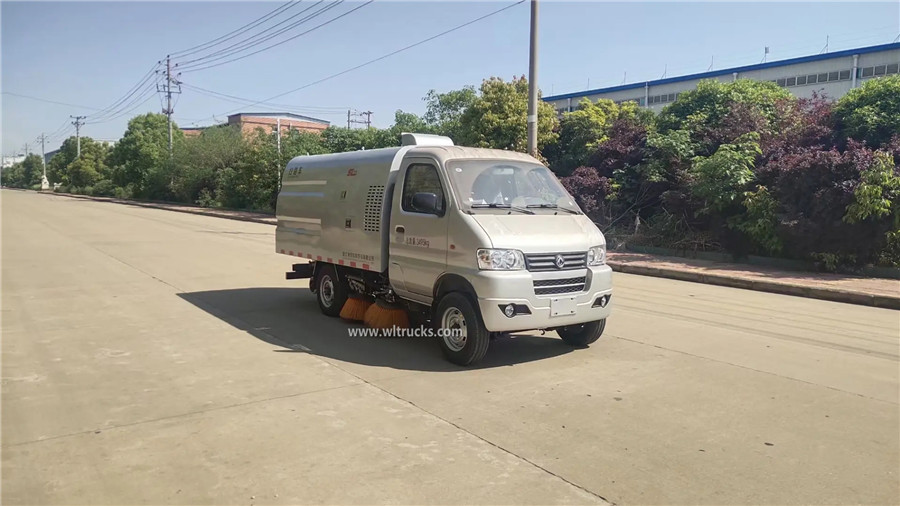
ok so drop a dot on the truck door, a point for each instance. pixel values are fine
(418, 249)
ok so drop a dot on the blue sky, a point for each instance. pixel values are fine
(90, 54)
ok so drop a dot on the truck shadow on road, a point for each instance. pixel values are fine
(290, 319)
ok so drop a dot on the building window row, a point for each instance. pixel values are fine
(663, 99)
(638, 101)
(825, 77)
(838, 75)
(880, 70)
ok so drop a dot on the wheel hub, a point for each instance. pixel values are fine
(455, 324)
(326, 288)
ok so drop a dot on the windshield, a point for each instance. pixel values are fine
(491, 184)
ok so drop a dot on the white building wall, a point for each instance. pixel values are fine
(832, 78)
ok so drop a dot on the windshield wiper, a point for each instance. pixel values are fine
(554, 206)
(494, 205)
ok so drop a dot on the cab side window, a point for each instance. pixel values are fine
(422, 178)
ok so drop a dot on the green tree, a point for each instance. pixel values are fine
(706, 111)
(199, 159)
(584, 129)
(252, 178)
(878, 193)
(497, 118)
(871, 112)
(56, 167)
(720, 180)
(301, 142)
(13, 176)
(339, 140)
(24, 174)
(32, 170)
(252, 181)
(409, 122)
(141, 159)
(92, 168)
(759, 221)
(83, 172)
(444, 110)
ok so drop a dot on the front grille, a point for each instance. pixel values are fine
(537, 262)
(558, 286)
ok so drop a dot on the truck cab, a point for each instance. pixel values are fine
(480, 241)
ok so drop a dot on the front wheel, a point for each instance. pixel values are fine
(583, 334)
(463, 338)
(330, 291)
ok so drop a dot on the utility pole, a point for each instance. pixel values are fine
(45, 184)
(167, 89)
(169, 99)
(43, 139)
(532, 83)
(278, 122)
(78, 122)
(367, 121)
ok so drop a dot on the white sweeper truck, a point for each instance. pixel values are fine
(480, 241)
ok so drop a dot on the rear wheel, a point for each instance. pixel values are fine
(583, 334)
(330, 291)
(463, 338)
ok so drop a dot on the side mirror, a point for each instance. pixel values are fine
(425, 203)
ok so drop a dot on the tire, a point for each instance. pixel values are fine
(456, 311)
(582, 335)
(331, 292)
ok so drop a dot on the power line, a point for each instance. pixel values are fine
(388, 55)
(146, 93)
(145, 96)
(239, 46)
(332, 20)
(242, 100)
(116, 106)
(232, 34)
(59, 130)
(50, 101)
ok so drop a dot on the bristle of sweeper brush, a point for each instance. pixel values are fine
(383, 316)
(355, 309)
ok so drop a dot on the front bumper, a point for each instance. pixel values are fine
(499, 288)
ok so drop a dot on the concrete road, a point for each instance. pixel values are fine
(159, 358)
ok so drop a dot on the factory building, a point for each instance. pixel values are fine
(248, 122)
(832, 74)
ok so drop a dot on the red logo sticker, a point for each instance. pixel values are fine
(351, 172)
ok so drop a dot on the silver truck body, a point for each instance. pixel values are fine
(353, 210)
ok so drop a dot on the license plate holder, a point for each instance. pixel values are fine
(562, 306)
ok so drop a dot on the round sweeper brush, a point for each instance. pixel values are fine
(355, 308)
(384, 315)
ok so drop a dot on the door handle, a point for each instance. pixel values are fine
(400, 229)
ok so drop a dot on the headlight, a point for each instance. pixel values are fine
(500, 259)
(596, 255)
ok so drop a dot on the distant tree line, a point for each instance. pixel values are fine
(742, 167)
